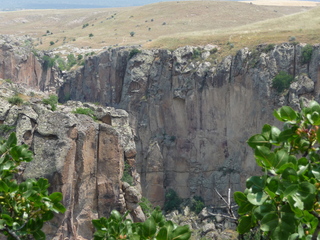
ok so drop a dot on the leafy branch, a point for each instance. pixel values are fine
(284, 201)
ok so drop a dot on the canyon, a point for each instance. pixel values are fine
(181, 118)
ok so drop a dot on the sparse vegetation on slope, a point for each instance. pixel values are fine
(199, 23)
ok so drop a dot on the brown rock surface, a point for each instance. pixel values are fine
(199, 112)
(19, 63)
(82, 158)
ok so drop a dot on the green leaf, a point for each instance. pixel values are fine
(294, 236)
(8, 219)
(257, 198)
(283, 167)
(3, 187)
(315, 116)
(43, 184)
(264, 155)
(258, 140)
(285, 135)
(244, 224)
(290, 174)
(281, 158)
(2, 224)
(307, 194)
(163, 234)
(288, 114)
(273, 184)
(295, 202)
(314, 106)
(244, 205)
(56, 197)
(39, 235)
(12, 140)
(269, 222)
(318, 135)
(149, 228)
(48, 216)
(58, 207)
(291, 190)
(316, 173)
(256, 183)
(279, 233)
(181, 233)
(263, 210)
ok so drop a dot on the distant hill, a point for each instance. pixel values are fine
(230, 25)
(72, 4)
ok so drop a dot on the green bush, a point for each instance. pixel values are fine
(155, 227)
(8, 80)
(62, 65)
(134, 52)
(306, 53)
(15, 100)
(51, 43)
(282, 81)
(146, 206)
(71, 61)
(52, 101)
(26, 205)
(6, 128)
(48, 62)
(172, 201)
(213, 50)
(126, 177)
(268, 48)
(196, 53)
(90, 35)
(197, 204)
(132, 34)
(284, 202)
(85, 111)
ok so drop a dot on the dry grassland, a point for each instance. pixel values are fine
(166, 25)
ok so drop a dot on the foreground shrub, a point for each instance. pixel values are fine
(282, 81)
(155, 227)
(285, 201)
(24, 206)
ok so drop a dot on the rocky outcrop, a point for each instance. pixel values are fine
(191, 113)
(22, 64)
(82, 158)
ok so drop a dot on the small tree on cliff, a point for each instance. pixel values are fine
(24, 206)
(285, 201)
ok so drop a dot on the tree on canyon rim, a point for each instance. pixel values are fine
(284, 203)
(24, 205)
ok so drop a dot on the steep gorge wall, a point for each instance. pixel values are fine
(192, 117)
(82, 158)
(19, 64)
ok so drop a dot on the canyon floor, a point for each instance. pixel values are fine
(231, 25)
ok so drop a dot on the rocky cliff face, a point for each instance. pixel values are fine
(22, 64)
(192, 115)
(82, 158)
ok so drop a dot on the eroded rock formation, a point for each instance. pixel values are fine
(21, 63)
(192, 115)
(82, 158)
